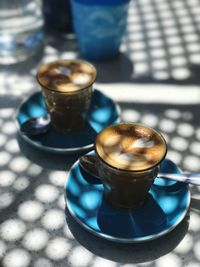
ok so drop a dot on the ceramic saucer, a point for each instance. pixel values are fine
(103, 112)
(166, 206)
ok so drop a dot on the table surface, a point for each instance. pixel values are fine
(155, 80)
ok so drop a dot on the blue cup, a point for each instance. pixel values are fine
(99, 26)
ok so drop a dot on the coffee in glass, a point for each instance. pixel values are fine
(126, 161)
(130, 147)
(67, 86)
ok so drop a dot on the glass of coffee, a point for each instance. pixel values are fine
(67, 86)
(127, 159)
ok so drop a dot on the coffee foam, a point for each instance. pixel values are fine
(130, 147)
(66, 75)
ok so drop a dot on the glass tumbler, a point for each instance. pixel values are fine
(21, 32)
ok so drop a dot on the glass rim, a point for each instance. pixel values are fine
(68, 60)
(128, 170)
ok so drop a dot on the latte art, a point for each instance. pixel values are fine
(66, 75)
(143, 142)
(130, 154)
(81, 78)
(63, 70)
(132, 148)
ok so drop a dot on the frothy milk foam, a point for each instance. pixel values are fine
(131, 147)
(66, 75)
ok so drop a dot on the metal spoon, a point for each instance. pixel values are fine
(185, 177)
(36, 126)
(89, 163)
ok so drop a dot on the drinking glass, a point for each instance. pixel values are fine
(21, 32)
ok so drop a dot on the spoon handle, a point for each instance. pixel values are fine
(190, 178)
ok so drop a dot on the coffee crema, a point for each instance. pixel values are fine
(130, 146)
(66, 75)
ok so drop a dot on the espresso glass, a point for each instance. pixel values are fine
(123, 188)
(68, 109)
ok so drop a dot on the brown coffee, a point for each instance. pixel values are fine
(130, 147)
(66, 75)
(67, 89)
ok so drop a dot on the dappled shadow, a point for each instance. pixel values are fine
(161, 46)
(44, 158)
(179, 124)
(163, 41)
(31, 196)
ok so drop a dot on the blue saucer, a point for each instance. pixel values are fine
(166, 206)
(103, 112)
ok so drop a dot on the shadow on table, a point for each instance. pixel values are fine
(45, 159)
(128, 253)
(118, 70)
(123, 70)
(195, 205)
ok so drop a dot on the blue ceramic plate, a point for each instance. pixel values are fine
(103, 112)
(166, 206)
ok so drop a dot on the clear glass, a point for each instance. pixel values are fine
(21, 32)
(122, 189)
(68, 112)
(126, 189)
(68, 109)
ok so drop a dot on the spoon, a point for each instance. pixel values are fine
(185, 177)
(36, 126)
(88, 163)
